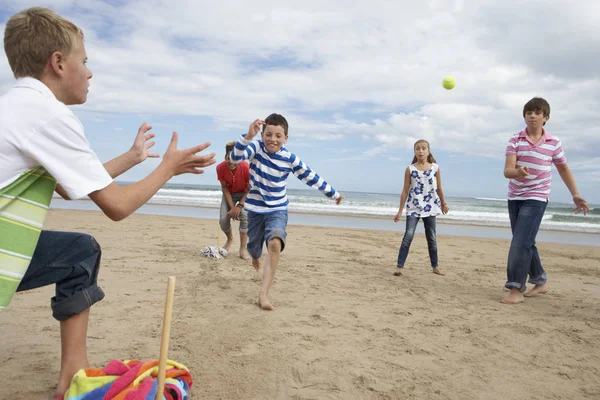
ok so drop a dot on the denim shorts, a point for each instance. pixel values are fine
(264, 227)
(71, 261)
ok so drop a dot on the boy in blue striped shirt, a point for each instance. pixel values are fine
(266, 203)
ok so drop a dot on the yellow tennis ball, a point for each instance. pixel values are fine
(449, 82)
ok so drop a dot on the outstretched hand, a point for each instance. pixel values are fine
(254, 128)
(580, 204)
(141, 146)
(187, 161)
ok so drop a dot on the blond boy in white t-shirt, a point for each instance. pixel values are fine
(42, 143)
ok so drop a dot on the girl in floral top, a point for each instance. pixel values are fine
(422, 196)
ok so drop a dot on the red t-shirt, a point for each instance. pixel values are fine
(238, 182)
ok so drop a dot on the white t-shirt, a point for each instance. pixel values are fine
(37, 129)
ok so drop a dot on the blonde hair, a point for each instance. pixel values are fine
(430, 157)
(33, 35)
(228, 148)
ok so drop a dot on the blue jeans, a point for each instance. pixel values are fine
(523, 258)
(264, 227)
(71, 261)
(409, 234)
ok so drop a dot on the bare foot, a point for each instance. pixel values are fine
(264, 303)
(65, 381)
(398, 271)
(56, 396)
(256, 263)
(227, 245)
(515, 296)
(244, 254)
(537, 289)
(438, 271)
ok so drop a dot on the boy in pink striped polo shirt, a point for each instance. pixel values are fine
(529, 158)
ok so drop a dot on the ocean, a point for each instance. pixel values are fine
(463, 210)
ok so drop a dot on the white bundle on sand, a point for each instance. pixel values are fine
(213, 251)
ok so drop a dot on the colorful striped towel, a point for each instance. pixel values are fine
(130, 380)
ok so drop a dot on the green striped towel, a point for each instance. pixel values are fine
(23, 208)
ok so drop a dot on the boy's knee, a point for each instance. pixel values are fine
(224, 224)
(84, 263)
(84, 246)
(94, 244)
(80, 290)
(95, 252)
(275, 245)
(225, 228)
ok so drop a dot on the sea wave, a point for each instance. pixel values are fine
(477, 211)
(188, 193)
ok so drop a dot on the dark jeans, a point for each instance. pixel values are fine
(409, 234)
(523, 258)
(71, 260)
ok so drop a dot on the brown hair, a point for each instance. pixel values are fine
(276, 120)
(430, 157)
(33, 35)
(229, 148)
(537, 104)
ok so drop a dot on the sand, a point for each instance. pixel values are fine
(344, 326)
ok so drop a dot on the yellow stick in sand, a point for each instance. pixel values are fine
(164, 342)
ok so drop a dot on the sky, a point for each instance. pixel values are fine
(358, 83)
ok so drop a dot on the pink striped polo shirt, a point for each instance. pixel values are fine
(538, 158)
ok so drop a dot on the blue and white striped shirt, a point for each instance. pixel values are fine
(269, 173)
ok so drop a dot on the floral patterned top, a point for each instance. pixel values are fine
(423, 200)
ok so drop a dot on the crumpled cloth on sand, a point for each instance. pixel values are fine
(130, 380)
(213, 251)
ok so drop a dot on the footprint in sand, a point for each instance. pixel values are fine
(248, 350)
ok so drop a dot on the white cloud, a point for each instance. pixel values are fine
(368, 72)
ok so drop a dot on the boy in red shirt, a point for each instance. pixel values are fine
(235, 182)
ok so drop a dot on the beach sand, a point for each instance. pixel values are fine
(344, 326)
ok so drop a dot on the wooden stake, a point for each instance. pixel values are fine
(164, 342)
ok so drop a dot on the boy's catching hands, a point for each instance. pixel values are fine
(140, 146)
(184, 161)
